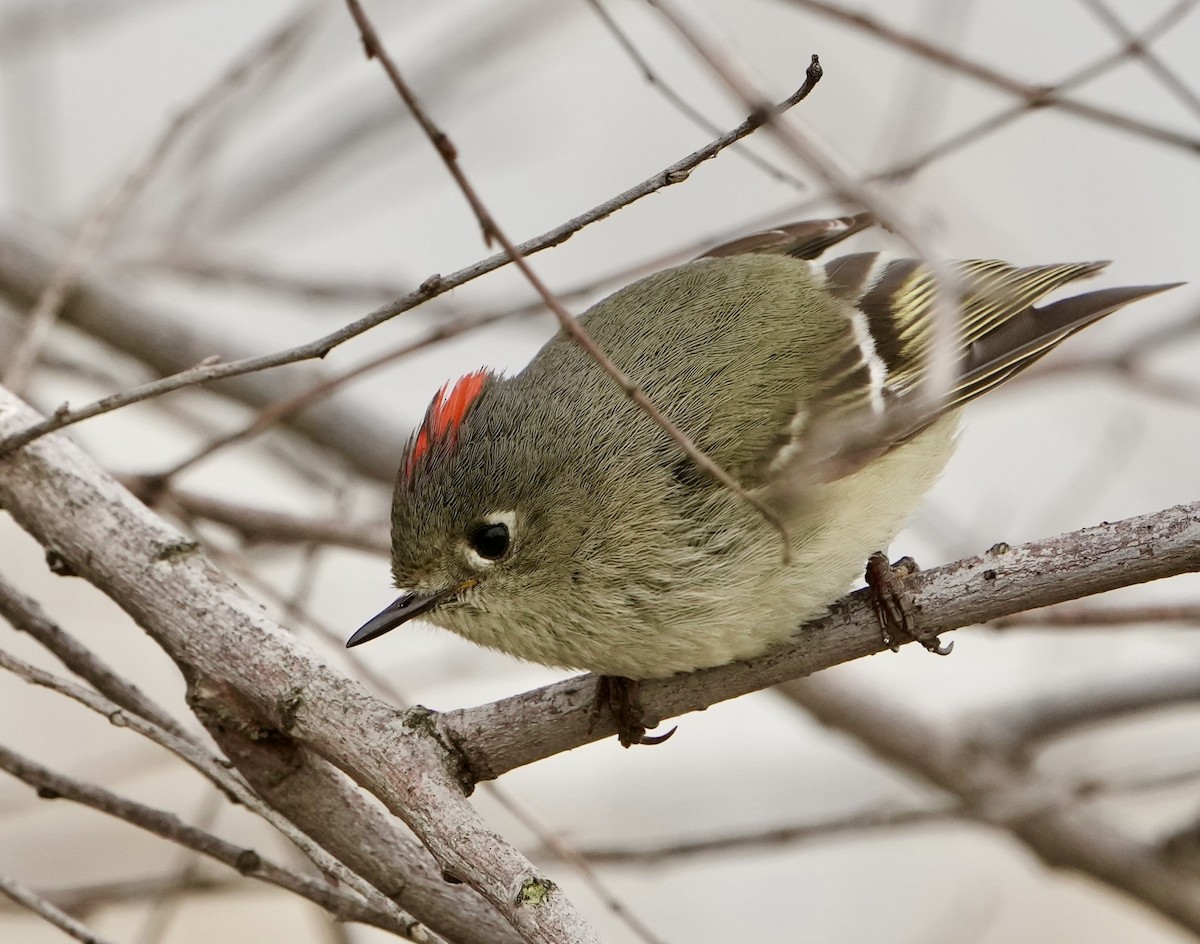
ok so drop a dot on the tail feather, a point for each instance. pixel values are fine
(1017, 343)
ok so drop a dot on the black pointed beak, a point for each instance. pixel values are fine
(406, 607)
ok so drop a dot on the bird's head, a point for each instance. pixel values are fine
(485, 523)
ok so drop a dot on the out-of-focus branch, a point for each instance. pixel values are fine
(26, 615)
(1033, 96)
(987, 126)
(257, 525)
(51, 785)
(195, 368)
(850, 824)
(169, 342)
(1092, 616)
(100, 223)
(1151, 60)
(685, 108)
(1005, 794)
(1025, 725)
(44, 909)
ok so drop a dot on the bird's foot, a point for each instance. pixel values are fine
(621, 697)
(894, 605)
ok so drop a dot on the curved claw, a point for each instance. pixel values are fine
(651, 739)
(620, 696)
(937, 647)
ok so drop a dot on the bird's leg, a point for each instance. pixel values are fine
(621, 697)
(894, 604)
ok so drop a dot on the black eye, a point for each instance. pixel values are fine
(490, 541)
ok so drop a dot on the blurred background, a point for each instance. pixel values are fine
(232, 179)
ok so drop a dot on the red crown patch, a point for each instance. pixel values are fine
(445, 415)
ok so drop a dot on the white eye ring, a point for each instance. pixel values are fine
(498, 531)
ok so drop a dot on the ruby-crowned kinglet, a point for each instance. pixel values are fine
(547, 516)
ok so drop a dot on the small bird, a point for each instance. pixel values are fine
(547, 516)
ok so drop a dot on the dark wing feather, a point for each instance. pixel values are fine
(875, 393)
(805, 240)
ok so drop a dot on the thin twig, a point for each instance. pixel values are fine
(41, 907)
(260, 526)
(435, 285)
(164, 904)
(51, 785)
(103, 220)
(85, 897)
(1092, 616)
(692, 114)
(1007, 795)
(282, 410)
(25, 615)
(1033, 96)
(222, 777)
(1151, 60)
(446, 150)
(987, 126)
(855, 822)
(940, 361)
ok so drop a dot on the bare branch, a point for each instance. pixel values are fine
(1091, 616)
(25, 615)
(1063, 835)
(101, 222)
(257, 525)
(1024, 726)
(569, 325)
(255, 678)
(987, 126)
(854, 823)
(15, 273)
(1153, 62)
(1032, 96)
(501, 736)
(189, 751)
(51, 785)
(680, 103)
(41, 907)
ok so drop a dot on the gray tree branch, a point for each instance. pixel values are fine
(251, 676)
(501, 736)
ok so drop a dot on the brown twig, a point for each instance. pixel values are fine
(189, 751)
(980, 129)
(680, 103)
(258, 525)
(102, 221)
(446, 150)
(940, 362)
(1033, 96)
(1092, 616)
(55, 786)
(1153, 62)
(432, 287)
(516, 731)
(849, 823)
(25, 615)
